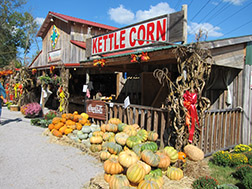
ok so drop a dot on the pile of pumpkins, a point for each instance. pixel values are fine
(131, 156)
(68, 123)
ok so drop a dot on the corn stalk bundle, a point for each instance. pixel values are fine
(62, 93)
(27, 86)
(194, 67)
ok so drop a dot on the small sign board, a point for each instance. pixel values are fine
(54, 56)
(96, 109)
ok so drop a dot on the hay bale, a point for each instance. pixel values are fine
(195, 169)
(97, 182)
(193, 152)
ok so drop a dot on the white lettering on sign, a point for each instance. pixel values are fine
(133, 36)
(96, 109)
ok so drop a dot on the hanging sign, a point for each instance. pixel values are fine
(54, 56)
(155, 30)
(165, 28)
(96, 109)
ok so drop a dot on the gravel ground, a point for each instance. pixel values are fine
(28, 160)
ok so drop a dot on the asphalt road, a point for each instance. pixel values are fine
(28, 160)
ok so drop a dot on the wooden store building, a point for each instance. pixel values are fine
(106, 65)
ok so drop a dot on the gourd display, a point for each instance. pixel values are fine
(150, 158)
(112, 165)
(127, 158)
(135, 173)
(174, 173)
(117, 181)
(172, 153)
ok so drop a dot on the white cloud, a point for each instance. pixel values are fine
(207, 29)
(121, 15)
(39, 20)
(235, 2)
(159, 9)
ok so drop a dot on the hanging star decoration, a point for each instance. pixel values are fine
(140, 58)
(54, 36)
(99, 63)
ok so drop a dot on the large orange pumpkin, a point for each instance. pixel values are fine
(55, 132)
(56, 120)
(112, 165)
(58, 125)
(51, 126)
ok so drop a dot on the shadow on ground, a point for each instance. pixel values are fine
(10, 120)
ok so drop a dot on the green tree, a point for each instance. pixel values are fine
(17, 30)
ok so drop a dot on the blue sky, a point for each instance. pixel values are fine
(218, 18)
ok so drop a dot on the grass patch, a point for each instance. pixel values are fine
(222, 174)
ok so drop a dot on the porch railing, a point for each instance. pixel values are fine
(221, 129)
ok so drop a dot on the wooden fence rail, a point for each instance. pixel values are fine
(220, 129)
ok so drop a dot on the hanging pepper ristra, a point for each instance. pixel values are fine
(190, 100)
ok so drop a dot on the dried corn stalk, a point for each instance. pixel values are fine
(62, 93)
(194, 67)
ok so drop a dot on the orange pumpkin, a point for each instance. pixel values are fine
(58, 125)
(56, 120)
(182, 156)
(68, 130)
(51, 126)
(76, 117)
(70, 122)
(82, 120)
(164, 160)
(63, 120)
(56, 133)
(107, 177)
(112, 165)
(78, 126)
(63, 128)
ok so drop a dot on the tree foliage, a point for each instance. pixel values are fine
(17, 30)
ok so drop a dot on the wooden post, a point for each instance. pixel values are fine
(184, 8)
